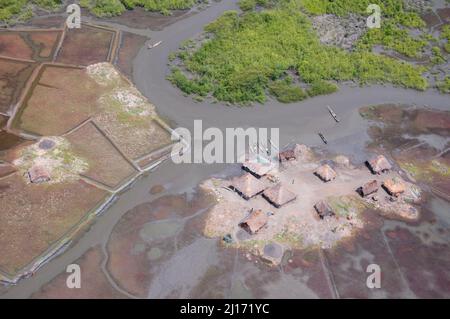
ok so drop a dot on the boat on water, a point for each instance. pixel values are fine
(323, 138)
(151, 46)
(333, 114)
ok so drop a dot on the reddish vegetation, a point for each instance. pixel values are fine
(46, 41)
(32, 45)
(131, 44)
(14, 46)
(106, 164)
(62, 99)
(444, 13)
(8, 141)
(349, 260)
(85, 46)
(308, 264)
(44, 213)
(432, 121)
(94, 284)
(133, 270)
(425, 267)
(13, 76)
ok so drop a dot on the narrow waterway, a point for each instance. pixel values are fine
(299, 121)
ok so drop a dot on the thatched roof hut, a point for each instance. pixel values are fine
(38, 174)
(256, 168)
(325, 173)
(279, 195)
(394, 186)
(323, 209)
(247, 186)
(379, 164)
(254, 222)
(286, 156)
(369, 188)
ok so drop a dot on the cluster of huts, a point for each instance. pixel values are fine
(250, 185)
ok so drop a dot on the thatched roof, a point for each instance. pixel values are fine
(326, 173)
(394, 186)
(323, 209)
(256, 168)
(248, 186)
(38, 174)
(254, 222)
(369, 188)
(287, 155)
(279, 195)
(379, 164)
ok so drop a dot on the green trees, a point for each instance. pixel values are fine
(22, 9)
(251, 55)
(100, 8)
(104, 8)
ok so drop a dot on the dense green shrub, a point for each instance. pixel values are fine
(21, 9)
(321, 88)
(248, 53)
(444, 86)
(286, 92)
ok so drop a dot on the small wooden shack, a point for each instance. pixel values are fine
(247, 186)
(379, 164)
(254, 221)
(256, 168)
(394, 186)
(279, 195)
(286, 156)
(38, 174)
(325, 173)
(323, 209)
(369, 188)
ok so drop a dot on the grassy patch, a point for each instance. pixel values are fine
(21, 10)
(444, 86)
(286, 92)
(426, 171)
(346, 206)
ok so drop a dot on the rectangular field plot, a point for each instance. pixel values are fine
(85, 46)
(13, 77)
(61, 99)
(135, 137)
(37, 45)
(129, 47)
(34, 217)
(106, 164)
